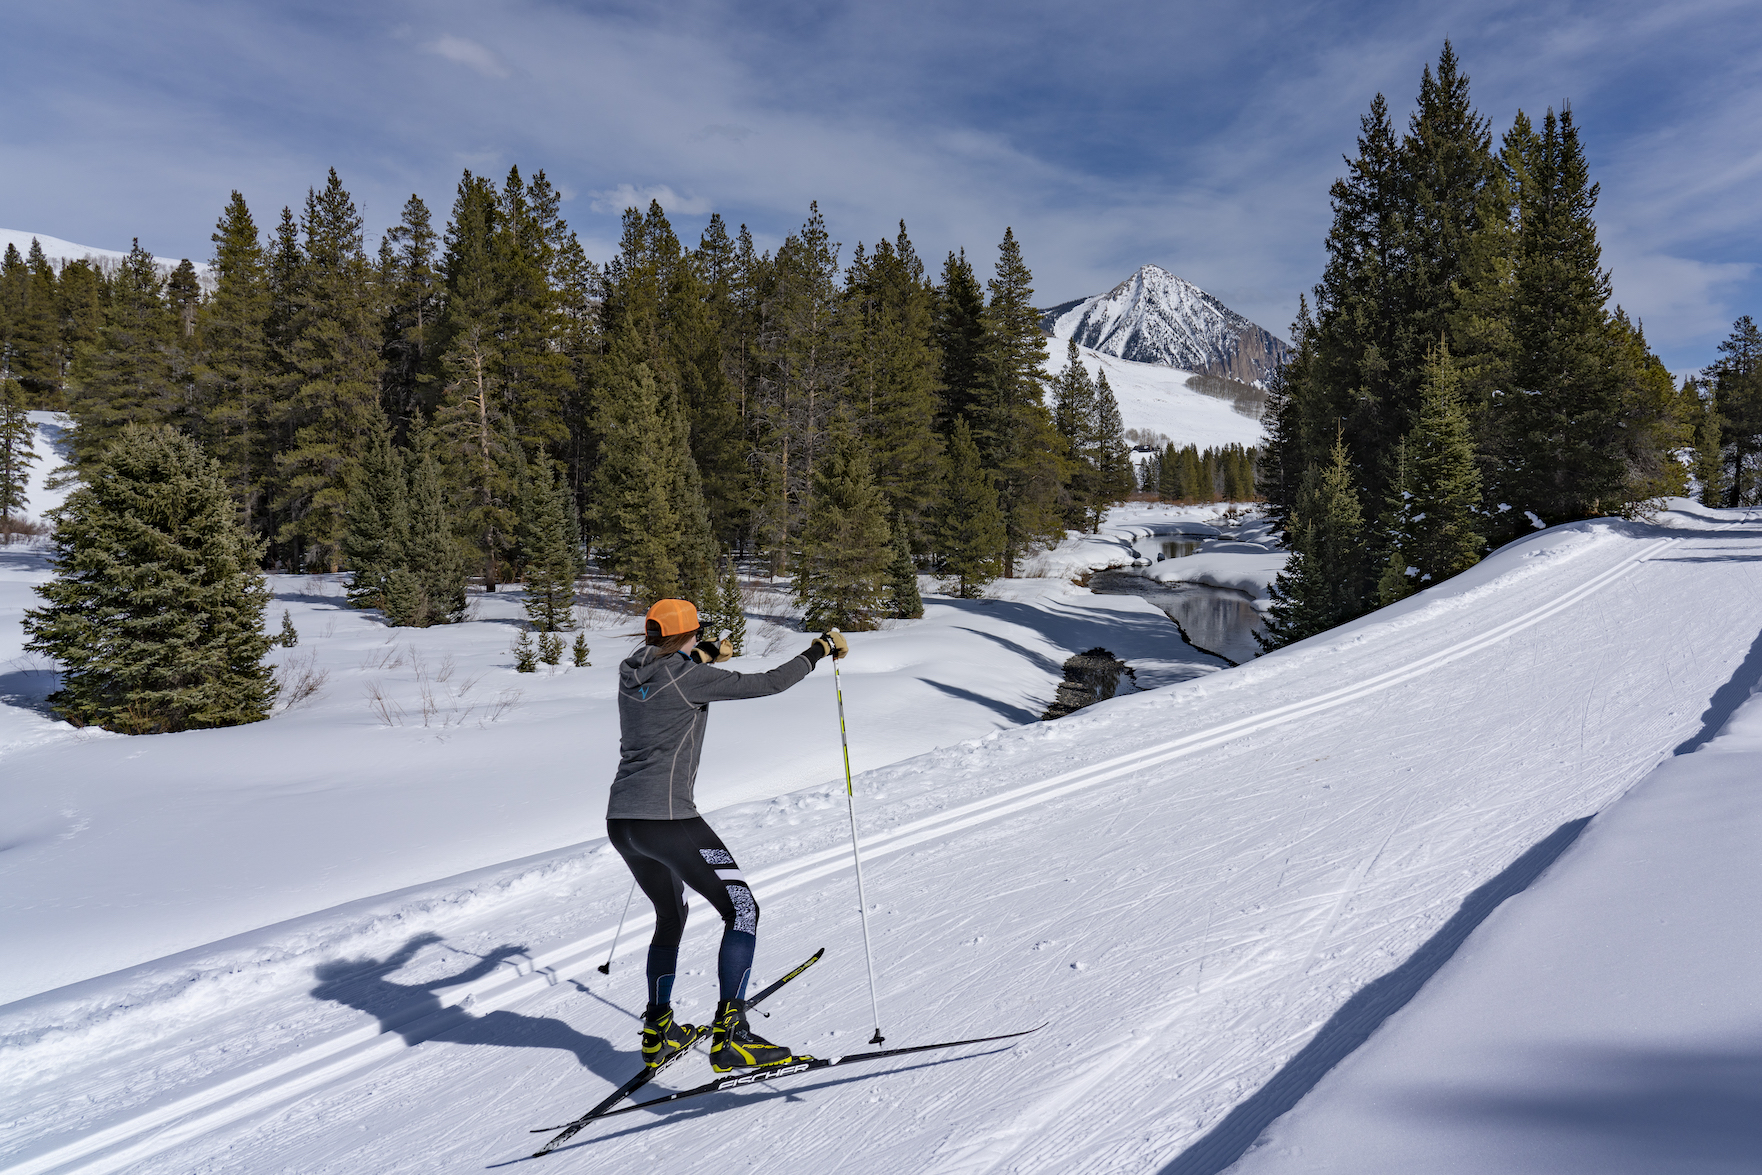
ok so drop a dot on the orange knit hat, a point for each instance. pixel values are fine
(674, 616)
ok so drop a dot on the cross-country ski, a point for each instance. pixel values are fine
(649, 1072)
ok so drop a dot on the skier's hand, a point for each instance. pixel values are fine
(708, 652)
(832, 642)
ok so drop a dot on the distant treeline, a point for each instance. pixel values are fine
(1461, 378)
(689, 401)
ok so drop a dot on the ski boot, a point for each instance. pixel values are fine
(733, 1045)
(662, 1038)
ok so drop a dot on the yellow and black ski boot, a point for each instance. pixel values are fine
(733, 1045)
(661, 1037)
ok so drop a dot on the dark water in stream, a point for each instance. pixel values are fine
(1217, 620)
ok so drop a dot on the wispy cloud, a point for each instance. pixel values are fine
(469, 53)
(630, 196)
(1193, 135)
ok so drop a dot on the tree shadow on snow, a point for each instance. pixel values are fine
(1632, 1112)
(1365, 1012)
(415, 1010)
(1010, 713)
(1727, 698)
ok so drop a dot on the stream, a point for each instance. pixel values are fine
(1215, 620)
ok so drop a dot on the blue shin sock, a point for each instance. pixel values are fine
(663, 963)
(735, 964)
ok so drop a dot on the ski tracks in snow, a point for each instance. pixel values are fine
(1211, 1042)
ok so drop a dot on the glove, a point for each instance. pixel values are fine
(832, 642)
(708, 652)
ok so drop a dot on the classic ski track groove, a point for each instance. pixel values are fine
(241, 1095)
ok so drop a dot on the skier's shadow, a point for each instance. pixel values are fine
(415, 1011)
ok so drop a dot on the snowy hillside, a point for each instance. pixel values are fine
(364, 934)
(1152, 396)
(59, 252)
(1155, 317)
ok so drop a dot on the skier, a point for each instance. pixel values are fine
(664, 692)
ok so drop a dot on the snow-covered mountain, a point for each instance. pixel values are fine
(1155, 317)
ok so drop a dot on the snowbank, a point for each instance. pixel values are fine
(1606, 1021)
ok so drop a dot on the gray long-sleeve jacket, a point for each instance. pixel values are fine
(663, 706)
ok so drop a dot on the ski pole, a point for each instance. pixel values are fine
(850, 799)
(606, 967)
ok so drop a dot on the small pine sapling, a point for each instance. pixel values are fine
(733, 609)
(525, 656)
(578, 651)
(288, 637)
(550, 648)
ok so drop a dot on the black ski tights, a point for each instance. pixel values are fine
(666, 856)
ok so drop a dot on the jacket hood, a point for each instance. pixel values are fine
(642, 667)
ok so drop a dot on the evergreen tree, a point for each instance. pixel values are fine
(1562, 430)
(894, 375)
(1076, 415)
(733, 607)
(960, 341)
(156, 610)
(125, 375)
(289, 636)
(1112, 455)
(415, 298)
(434, 557)
(1737, 399)
(1435, 499)
(237, 377)
(1284, 452)
(1322, 584)
(1014, 430)
(1168, 473)
(525, 655)
(334, 348)
(904, 601)
(578, 652)
(552, 561)
(377, 535)
(1709, 453)
(17, 453)
(635, 521)
(972, 535)
(29, 327)
(842, 571)
(470, 414)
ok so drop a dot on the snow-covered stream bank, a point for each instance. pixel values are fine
(1188, 883)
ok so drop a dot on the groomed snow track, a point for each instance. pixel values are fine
(181, 1117)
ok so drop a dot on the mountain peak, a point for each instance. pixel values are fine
(1156, 317)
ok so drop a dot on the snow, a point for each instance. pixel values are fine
(1606, 1022)
(53, 448)
(59, 252)
(1152, 396)
(1237, 548)
(1154, 317)
(321, 943)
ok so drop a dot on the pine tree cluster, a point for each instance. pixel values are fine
(429, 411)
(1461, 373)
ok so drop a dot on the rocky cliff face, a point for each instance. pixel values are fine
(1155, 317)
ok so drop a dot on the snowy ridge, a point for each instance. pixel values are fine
(60, 252)
(1155, 317)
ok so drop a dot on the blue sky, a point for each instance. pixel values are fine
(1199, 136)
